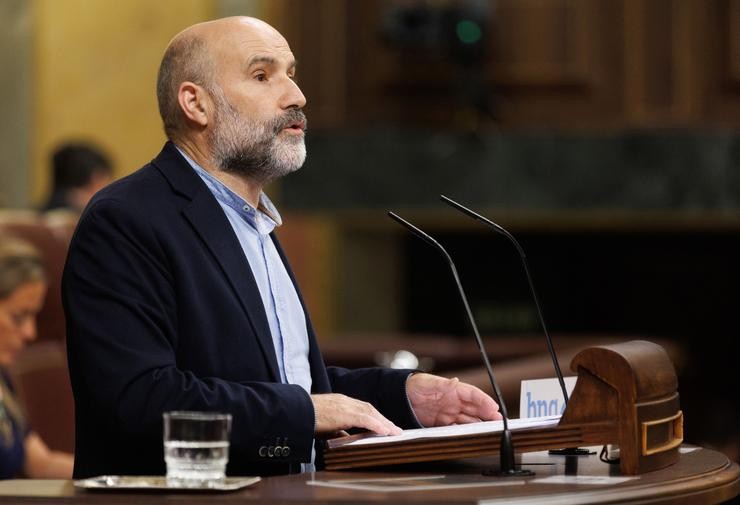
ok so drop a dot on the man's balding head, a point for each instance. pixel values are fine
(191, 56)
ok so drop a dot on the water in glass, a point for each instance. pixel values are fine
(196, 447)
(196, 460)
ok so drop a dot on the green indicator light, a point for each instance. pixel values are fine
(468, 32)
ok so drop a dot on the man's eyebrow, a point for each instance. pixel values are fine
(270, 61)
(261, 59)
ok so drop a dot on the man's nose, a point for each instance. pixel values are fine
(292, 96)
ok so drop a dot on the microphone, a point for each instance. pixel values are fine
(502, 231)
(506, 453)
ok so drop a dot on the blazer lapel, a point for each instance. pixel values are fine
(209, 222)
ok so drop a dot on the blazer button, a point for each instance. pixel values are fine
(263, 451)
(286, 451)
(271, 451)
(278, 451)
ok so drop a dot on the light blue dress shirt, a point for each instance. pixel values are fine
(283, 307)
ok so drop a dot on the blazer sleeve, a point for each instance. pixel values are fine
(384, 388)
(120, 298)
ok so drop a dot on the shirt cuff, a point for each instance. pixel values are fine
(411, 408)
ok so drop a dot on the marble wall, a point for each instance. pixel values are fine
(692, 170)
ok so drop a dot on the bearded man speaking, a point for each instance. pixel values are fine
(178, 295)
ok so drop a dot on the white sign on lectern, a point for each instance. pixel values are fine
(543, 397)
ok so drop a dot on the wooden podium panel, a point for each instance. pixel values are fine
(626, 394)
(699, 477)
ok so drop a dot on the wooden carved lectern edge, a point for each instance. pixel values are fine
(625, 394)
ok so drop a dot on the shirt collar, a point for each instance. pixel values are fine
(227, 197)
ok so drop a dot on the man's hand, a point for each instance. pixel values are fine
(335, 412)
(439, 402)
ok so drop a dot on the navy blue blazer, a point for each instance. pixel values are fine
(163, 313)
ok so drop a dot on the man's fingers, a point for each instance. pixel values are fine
(472, 394)
(332, 434)
(373, 420)
(487, 410)
(381, 426)
(465, 419)
(478, 403)
(338, 412)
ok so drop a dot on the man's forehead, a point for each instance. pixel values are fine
(251, 46)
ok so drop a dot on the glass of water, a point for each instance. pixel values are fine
(196, 447)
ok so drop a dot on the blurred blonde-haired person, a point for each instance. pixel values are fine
(22, 289)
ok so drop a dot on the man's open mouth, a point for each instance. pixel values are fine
(296, 125)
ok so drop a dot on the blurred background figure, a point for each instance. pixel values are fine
(22, 288)
(79, 170)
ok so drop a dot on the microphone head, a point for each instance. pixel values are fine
(476, 216)
(416, 231)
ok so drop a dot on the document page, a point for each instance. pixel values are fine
(456, 430)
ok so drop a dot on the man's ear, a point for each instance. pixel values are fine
(194, 102)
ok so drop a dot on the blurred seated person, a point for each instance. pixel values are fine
(22, 290)
(79, 171)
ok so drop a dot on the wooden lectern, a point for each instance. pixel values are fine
(626, 395)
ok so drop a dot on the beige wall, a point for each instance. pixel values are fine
(94, 71)
(85, 70)
(15, 22)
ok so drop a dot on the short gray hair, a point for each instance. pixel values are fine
(186, 59)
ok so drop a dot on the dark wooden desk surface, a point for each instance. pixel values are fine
(701, 476)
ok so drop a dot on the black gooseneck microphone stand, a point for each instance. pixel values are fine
(507, 465)
(503, 231)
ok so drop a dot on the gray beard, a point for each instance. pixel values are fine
(255, 149)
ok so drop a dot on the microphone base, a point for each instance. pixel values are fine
(508, 473)
(507, 466)
(571, 451)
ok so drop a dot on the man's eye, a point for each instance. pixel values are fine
(261, 77)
